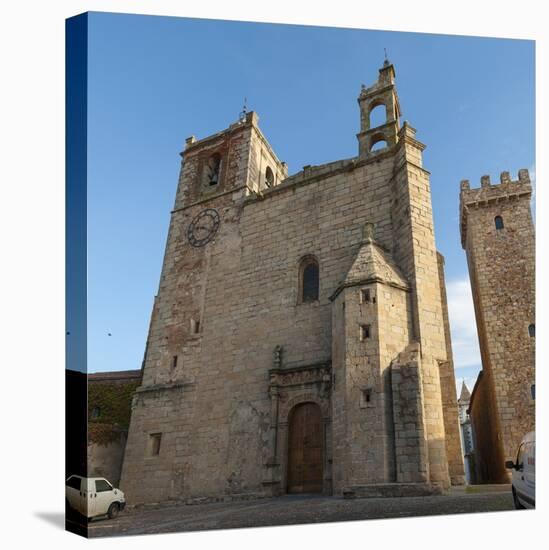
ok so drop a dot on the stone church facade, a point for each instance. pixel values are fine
(497, 233)
(299, 341)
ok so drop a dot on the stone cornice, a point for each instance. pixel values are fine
(368, 280)
(300, 368)
(377, 129)
(374, 90)
(210, 198)
(238, 126)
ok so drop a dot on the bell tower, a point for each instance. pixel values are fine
(383, 92)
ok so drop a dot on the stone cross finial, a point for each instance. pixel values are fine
(368, 232)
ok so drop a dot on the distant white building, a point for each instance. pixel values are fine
(466, 432)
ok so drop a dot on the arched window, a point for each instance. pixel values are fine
(378, 143)
(308, 279)
(212, 169)
(498, 220)
(378, 116)
(269, 177)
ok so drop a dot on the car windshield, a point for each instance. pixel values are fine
(74, 483)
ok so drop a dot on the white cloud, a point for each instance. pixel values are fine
(532, 172)
(463, 330)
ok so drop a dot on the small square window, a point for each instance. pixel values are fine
(154, 444)
(365, 332)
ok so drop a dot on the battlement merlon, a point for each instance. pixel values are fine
(489, 193)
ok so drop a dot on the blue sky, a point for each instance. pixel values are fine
(153, 81)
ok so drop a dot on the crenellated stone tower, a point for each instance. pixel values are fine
(498, 236)
(299, 340)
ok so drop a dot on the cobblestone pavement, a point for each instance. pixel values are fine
(290, 510)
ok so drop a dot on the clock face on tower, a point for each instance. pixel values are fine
(203, 227)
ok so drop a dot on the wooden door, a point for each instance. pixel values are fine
(305, 446)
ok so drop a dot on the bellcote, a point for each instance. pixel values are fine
(383, 92)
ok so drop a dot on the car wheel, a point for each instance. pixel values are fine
(114, 508)
(516, 501)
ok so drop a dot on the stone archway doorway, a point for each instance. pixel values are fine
(305, 449)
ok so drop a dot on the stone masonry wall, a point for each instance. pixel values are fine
(410, 437)
(488, 454)
(449, 398)
(415, 252)
(394, 314)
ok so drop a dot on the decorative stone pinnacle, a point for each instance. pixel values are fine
(277, 357)
(368, 232)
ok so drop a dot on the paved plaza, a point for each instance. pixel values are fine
(293, 509)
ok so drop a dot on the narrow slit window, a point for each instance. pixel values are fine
(155, 444)
(365, 332)
(269, 177)
(174, 361)
(195, 326)
(532, 330)
(366, 397)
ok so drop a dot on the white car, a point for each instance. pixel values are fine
(93, 496)
(523, 482)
